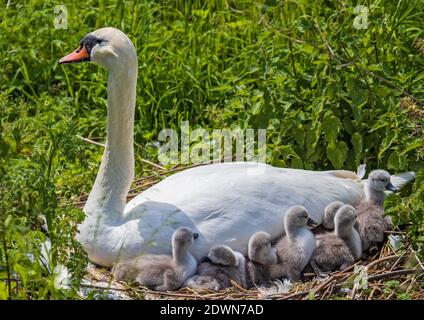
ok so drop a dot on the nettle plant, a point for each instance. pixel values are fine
(35, 259)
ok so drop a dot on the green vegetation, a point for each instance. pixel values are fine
(330, 95)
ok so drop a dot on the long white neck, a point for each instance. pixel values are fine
(116, 171)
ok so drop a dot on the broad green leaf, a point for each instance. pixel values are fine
(415, 145)
(359, 96)
(391, 136)
(396, 161)
(382, 91)
(312, 136)
(331, 126)
(337, 153)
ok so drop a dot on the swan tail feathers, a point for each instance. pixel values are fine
(401, 179)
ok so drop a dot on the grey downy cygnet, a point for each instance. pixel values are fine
(329, 214)
(262, 255)
(216, 271)
(371, 222)
(328, 218)
(348, 233)
(161, 272)
(331, 251)
(295, 249)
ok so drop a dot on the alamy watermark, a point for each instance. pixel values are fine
(198, 145)
(61, 18)
(361, 20)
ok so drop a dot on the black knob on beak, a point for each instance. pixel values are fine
(195, 235)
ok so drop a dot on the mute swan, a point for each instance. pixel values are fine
(262, 256)
(161, 272)
(331, 251)
(295, 249)
(216, 270)
(225, 202)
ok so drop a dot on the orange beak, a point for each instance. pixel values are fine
(79, 55)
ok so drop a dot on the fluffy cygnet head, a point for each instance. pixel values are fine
(297, 217)
(329, 214)
(183, 238)
(260, 249)
(345, 220)
(223, 255)
(379, 180)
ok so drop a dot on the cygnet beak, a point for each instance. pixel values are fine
(311, 223)
(391, 187)
(195, 235)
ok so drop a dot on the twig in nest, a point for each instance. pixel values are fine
(392, 257)
(102, 288)
(392, 274)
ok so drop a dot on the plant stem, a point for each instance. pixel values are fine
(289, 41)
(374, 39)
(6, 255)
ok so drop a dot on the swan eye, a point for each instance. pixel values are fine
(99, 41)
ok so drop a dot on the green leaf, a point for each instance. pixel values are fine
(357, 146)
(337, 153)
(391, 136)
(359, 96)
(331, 126)
(381, 91)
(23, 273)
(416, 145)
(288, 152)
(312, 137)
(3, 291)
(396, 161)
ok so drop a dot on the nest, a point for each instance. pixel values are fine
(390, 273)
(367, 279)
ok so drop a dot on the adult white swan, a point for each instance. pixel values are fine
(225, 203)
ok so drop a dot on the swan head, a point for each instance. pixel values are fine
(379, 180)
(345, 218)
(298, 217)
(329, 214)
(223, 255)
(107, 47)
(183, 238)
(260, 249)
